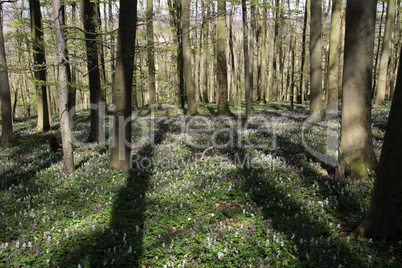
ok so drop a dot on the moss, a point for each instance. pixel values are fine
(357, 169)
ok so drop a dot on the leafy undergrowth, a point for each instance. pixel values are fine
(258, 198)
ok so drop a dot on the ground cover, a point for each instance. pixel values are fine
(203, 192)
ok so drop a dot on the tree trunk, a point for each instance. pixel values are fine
(188, 77)
(247, 83)
(223, 106)
(233, 56)
(205, 28)
(384, 217)
(72, 91)
(68, 156)
(38, 47)
(151, 56)
(356, 153)
(333, 65)
(385, 52)
(121, 139)
(261, 73)
(300, 93)
(378, 50)
(7, 134)
(88, 15)
(316, 111)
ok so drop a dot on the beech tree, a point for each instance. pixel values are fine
(385, 52)
(121, 139)
(247, 77)
(223, 106)
(384, 218)
(88, 15)
(39, 59)
(7, 134)
(188, 76)
(333, 65)
(356, 153)
(62, 87)
(316, 111)
(151, 55)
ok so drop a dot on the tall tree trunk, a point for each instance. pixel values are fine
(263, 64)
(378, 50)
(333, 65)
(121, 143)
(7, 134)
(233, 56)
(188, 76)
(38, 47)
(384, 217)
(356, 153)
(223, 106)
(205, 29)
(151, 56)
(88, 15)
(300, 93)
(316, 111)
(72, 91)
(68, 156)
(385, 52)
(247, 83)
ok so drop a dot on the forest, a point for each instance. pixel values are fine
(259, 133)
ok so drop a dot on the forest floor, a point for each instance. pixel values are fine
(203, 191)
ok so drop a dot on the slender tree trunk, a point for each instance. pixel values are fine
(316, 111)
(151, 56)
(233, 56)
(38, 47)
(121, 140)
(246, 62)
(68, 156)
(205, 29)
(263, 64)
(385, 52)
(378, 50)
(72, 92)
(88, 14)
(356, 153)
(189, 79)
(300, 93)
(333, 65)
(223, 106)
(7, 134)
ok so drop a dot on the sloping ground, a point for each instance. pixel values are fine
(203, 192)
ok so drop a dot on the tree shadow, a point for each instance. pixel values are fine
(121, 243)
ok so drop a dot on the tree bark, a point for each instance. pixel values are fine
(384, 217)
(300, 93)
(205, 29)
(38, 47)
(223, 106)
(316, 111)
(247, 83)
(62, 87)
(333, 65)
(262, 69)
(88, 15)
(356, 153)
(188, 77)
(151, 55)
(7, 134)
(385, 52)
(121, 139)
